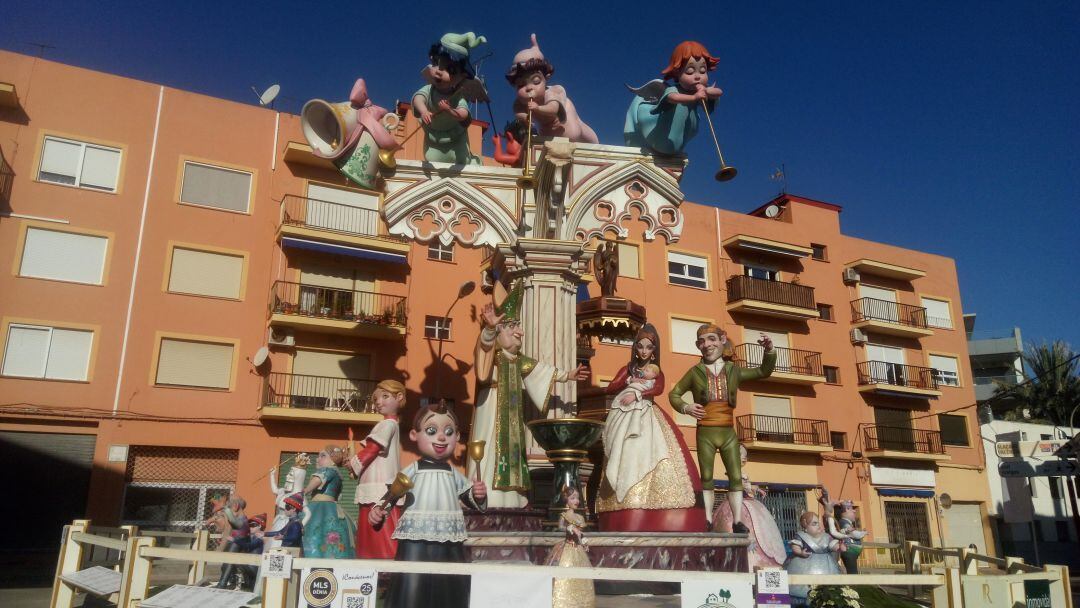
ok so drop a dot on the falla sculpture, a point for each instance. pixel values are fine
(442, 105)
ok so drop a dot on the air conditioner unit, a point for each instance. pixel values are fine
(282, 337)
(858, 336)
(851, 275)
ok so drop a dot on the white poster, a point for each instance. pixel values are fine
(721, 591)
(338, 588)
(506, 590)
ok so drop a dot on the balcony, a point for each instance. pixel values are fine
(903, 443)
(775, 433)
(320, 399)
(793, 366)
(304, 219)
(885, 269)
(337, 311)
(986, 386)
(770, 298)
(897, 379)
(891, 318)
(7, 178)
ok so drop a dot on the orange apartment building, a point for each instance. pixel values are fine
(157, 239)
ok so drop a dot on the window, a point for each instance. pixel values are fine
(437, 251)
(1056, 491)
(838, 440)
(687, 270)
(629, 261)
(35, 351)
(825, 312)
(684, 336)
(64, 256)
(953, 430)
(215, 187)
(759, 272)
(83, 165)
(818, 252)
(779, 407)
(832, 374)
(1062, 528)
(206, 274)
(945, 370)
(937, 313)
(437, 328)
(192, 363)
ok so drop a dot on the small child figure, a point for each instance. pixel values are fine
(552, 111)
(442, 105)
(375, 466)
(432, 529)
(571, 552)
(237, 536)
(813, 552)
(843, 527)
(663, 118)
(292, 533)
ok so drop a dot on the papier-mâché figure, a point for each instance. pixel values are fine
(442, 105)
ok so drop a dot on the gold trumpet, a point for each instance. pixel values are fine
(527, 181)
(726, 172)
(476, 453)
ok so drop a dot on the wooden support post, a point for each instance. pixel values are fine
(70, 560)
(1060, 588)
(951, 594)
(275, 592)
(135, 581)
(1010, 564)
(198, 567)
(968, 564)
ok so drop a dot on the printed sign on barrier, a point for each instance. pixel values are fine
(719, 592)
(338, 588)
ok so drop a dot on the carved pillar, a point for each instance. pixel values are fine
(551, 271)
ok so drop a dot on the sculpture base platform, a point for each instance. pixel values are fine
(702, 552)
(504, 520)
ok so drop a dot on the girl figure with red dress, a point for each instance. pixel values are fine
(649, 482)
(375, 466)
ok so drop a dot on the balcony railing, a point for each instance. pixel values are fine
(902, 439)
(742, 287)
(319, 393)
(777, 429)
(788, 360)
(873, 309)
(897, 374)
(333, 217)
(339, 304)
(7, 178)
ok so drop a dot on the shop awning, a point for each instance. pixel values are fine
(906, 492)
(356, 252)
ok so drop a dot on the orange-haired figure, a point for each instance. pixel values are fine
(663, 116)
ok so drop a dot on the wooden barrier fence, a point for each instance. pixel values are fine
(140, 551)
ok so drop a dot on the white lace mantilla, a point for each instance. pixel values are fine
(438, 526)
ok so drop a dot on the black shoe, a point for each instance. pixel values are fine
(740, 528)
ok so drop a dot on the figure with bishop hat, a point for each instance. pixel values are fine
(507, 381)
(714, 385)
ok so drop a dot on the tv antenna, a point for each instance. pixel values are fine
(40, 47)
(268, 96)
(780, 175)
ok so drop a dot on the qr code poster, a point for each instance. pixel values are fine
(338, 588)
(276, 564)
(772, 588)
(723, 591)
(517, 590)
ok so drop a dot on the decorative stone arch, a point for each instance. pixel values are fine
(448, 210)
(611, 196)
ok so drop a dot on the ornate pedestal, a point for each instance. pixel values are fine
(567, 442)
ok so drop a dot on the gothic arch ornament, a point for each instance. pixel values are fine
(448, 210)
(612, 196)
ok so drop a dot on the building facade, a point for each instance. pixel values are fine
(159, 239)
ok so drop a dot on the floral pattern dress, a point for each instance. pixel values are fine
(328, 532)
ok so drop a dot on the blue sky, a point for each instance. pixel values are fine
(951, 128)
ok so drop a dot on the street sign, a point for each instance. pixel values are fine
(1028, 449)
(1034, 468)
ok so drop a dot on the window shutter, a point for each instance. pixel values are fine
(216, 187)
(629, 262)
(206, 273)
(772, 406)
(27, 349)
(188, 363)
(65, 256)
(684, 336)
(937, 313)
(100, 168)
(60, 158)
(69, 354)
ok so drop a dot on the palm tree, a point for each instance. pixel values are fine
(1053, 389)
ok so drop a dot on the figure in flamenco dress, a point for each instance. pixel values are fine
(571, 553)
(767, 548)
(650, 482)
(328, 531)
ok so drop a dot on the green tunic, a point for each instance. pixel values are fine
(446, 140)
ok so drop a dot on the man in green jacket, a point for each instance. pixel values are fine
(714, 383)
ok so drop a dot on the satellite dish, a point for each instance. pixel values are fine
(772, 211)
(260, 357)
(268, 96)
(945, 500)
